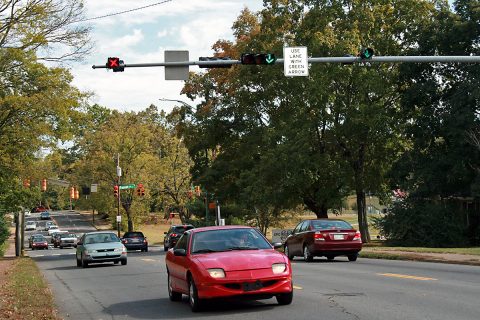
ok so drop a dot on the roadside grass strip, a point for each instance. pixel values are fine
(26, 294)
(404, 276)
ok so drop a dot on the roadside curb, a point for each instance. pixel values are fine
(415, 257)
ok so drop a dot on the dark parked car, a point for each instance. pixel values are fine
(173, 234)
(39, 242)
(135, 240)
(323, 237)
(45, 215)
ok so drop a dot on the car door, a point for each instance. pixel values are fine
(179, 264)
(294, 240)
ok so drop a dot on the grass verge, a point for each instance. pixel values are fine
(472, 251)
(26, 294)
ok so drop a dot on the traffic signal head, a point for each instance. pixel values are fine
(115, 191)
(214, 65)
(258, 58)
(197, 191)
(366, 53)
(72, 193)
(26, 183)
(115, 64)
(44, 184)
(77, 194)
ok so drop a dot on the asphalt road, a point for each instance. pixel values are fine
(366, 289)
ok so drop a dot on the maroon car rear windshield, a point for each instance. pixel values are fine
(328, 225)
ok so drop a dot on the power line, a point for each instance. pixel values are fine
(122, 12)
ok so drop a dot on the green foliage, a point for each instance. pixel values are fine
(423, 223)
(4, 229)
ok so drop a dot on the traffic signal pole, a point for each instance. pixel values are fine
(346, 60)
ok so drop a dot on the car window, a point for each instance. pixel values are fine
(181, 229)
(297, 228)
(228, 239)
(182, 243)
(331, 224)
(67, 235)
(133, 235)
(305, 226)
(101, 238)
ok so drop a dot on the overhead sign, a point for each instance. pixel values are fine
(295, 61)
(176, 72)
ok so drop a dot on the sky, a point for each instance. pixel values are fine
(142, 36)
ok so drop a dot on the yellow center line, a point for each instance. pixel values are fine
(404, 276)
(149, 260)
(297, 287)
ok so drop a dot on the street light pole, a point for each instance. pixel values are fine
(119, 174)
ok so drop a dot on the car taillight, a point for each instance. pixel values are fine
(173, 235)
(319, 236)
(144, 240)
(358, 236)
(45, 243)
(124, 241)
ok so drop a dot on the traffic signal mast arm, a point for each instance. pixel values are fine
(353, 59)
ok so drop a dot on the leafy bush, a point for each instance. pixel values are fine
(415, 222)
(4, 232)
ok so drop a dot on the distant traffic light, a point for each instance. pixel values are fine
(72, 193)
(197, 191)
(115, 191)
(258, 58)
(26, 183)
(140, 190)
(366, 53)
(214, 65)
(115, 64)
(44, 185)
(77, 194)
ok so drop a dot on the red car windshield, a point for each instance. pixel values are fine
(227, 240)
(330, 224)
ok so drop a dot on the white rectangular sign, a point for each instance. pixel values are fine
(295, 61)
(119, 218)
(280, 235)
(94, 187)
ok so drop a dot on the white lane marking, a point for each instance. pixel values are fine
(148, 260)
(297, 287)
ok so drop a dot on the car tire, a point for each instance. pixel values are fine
(173, 295)
(146, 249)
(330, 257)
(84, 263)
(165, 248)
(116, 262)
(284, 298)
(61, 247)
(194, 301)
(287, 253)
(124, 262)
(307, 255)
(79, 263)
(352, 257)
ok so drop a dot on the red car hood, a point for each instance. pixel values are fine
(240, 260)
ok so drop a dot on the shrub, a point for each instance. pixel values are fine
(415, 222)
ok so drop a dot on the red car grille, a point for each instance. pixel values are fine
(239, 286)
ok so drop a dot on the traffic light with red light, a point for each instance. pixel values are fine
(258, 58)
(44, 185)
(140, 190)
(115, 64)
(115, 191)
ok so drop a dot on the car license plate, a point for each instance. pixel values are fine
(135, 240)
(251, 286)
(338, 237)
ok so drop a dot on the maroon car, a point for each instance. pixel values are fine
(323, 237)
(39, 242)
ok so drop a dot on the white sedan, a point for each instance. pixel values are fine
(52, 229)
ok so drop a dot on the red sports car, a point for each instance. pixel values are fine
(227, 261)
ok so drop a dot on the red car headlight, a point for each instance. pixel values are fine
(278, 268)
(216, 273)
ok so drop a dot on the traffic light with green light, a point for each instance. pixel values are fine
(366, 53)
(258, 58)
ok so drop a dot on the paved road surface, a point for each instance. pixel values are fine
(367, 289)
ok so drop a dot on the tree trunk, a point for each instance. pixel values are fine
(362, 216)
(320, 210)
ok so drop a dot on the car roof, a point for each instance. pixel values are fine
(218, 228)
(98, 232)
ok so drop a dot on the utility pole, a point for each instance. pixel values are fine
(119, 174)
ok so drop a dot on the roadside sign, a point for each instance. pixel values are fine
(119, 218)
(127, 186)
(295, 61)
(94, 187)
(280, 235)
